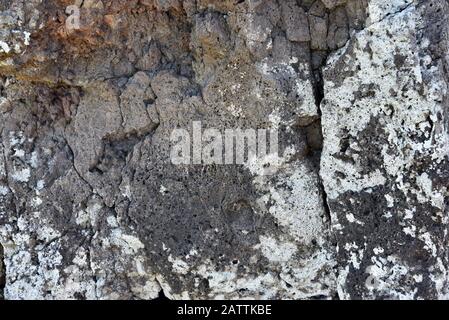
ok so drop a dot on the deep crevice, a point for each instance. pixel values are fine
(318, 90)
(317, 67)
(318, 82)
(2, 273)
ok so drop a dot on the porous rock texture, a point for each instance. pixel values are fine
(91, 206)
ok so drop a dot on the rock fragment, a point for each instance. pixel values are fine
(295, 20)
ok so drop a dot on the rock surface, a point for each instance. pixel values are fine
(92, 206)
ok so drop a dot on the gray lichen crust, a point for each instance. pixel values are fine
(92, 207)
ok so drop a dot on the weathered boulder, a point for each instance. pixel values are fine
(92, 205)
(385, 160)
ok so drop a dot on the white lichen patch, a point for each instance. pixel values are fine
(351, 219)
(383, 275)
(178, 265)
(371, 96)
(129, 244)
(266, 165)
(378, 250)
(163, 190)
(379, 73)
(429, 244)
(276, 251)
(296, 202)
(225, 284)
(3, 190)
(303, 84)
(379, 9)
(21, 175)
(89, 216)
(4, 47)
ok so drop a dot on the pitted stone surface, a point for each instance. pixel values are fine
(91, 206)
